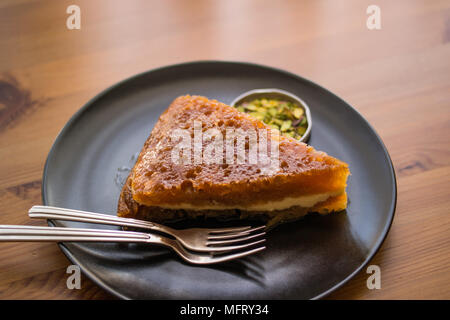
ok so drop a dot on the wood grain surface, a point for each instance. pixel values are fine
(398, 77)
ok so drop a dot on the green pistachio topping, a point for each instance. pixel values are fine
(287, 117)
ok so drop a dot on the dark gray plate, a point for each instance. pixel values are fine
(306, 259)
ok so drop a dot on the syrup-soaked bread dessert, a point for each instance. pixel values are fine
(164, 188)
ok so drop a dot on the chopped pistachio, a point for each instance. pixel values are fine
(257, 115)
(286, 125)
(298, 112)
(273, 112)
(278, 121)
(301, 130)
(261, 109)
(286, 116)
(274, 126)
(289, 134)
(273, 103)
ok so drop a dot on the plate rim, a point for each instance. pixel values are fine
(108, 89)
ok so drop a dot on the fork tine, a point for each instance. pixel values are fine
(229, 236)
(235, 235)
(214, 242)
(228, 257)
(234, 248)
(232, 229)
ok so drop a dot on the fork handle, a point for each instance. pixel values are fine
(49, 234)
(48, 212)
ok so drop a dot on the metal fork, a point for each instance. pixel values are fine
(12, 233)
(196, 239)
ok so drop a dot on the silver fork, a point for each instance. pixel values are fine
(12, 233)
(196, 239)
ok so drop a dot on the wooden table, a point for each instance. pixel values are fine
(398, 77)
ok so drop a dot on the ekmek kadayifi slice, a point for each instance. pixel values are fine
(160, 189)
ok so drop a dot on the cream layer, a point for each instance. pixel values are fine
(288, 202)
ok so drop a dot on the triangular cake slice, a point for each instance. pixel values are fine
(162, 188)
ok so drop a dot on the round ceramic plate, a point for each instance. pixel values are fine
(304, 260)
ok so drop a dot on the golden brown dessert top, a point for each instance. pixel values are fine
(156, 180)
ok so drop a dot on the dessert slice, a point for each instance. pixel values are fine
(200, 179)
